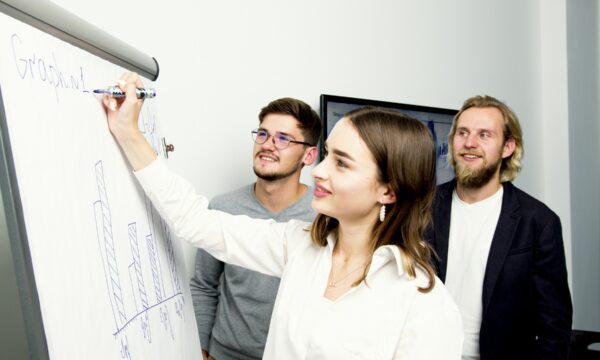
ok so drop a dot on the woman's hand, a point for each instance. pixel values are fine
(123, 114)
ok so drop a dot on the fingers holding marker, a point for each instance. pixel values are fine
(131, 85)
(123, 102)
(133, 78)
(109, 102)
(128, 90)
(128, 87)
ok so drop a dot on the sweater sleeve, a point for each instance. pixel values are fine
(204, 287)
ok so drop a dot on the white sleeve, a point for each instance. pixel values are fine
(433, 329)
(259, 245)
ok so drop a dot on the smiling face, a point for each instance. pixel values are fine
(346, 181)
(271, 163)
(479, 147)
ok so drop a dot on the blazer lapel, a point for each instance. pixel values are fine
(442, 226)
(501, 242)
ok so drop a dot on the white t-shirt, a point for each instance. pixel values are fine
(472, 228)
(386, 319)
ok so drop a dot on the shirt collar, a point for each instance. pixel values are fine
(385, 254)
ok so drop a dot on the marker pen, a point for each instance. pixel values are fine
(115, 91)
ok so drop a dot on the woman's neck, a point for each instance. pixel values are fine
(353, 244)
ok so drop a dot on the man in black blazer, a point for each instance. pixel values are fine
(500, 251)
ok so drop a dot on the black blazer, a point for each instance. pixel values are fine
(527, 310)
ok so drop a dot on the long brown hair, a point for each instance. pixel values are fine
(404, 152)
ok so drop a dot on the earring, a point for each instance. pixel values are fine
(382, 213)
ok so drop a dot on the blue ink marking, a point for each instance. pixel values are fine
(144, 311)
(109, 248)
(163, 317)
(154, 267)
(147, 125)
(179, 308)
(131, 272)
(100, 236)
(125, 354)
(135, 268)
(33, 67)
(158, 281)
(106, 243)
(135, 252)
(171, 257)
(145, 326)
(167, 320)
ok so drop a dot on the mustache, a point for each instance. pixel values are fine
(266, 153)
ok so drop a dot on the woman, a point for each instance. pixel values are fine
(358, 283)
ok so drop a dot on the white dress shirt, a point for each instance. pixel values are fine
(385, 317)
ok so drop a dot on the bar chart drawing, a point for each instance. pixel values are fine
(125, 354)
(137, 292)
(136, 277)
(107, 248)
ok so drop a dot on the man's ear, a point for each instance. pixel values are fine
(310, 155)
(509, 148)
(388, 197)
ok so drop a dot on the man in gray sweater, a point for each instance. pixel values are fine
(233, 305)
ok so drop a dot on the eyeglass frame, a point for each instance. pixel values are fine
(279, 136)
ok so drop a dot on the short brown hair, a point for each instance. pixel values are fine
(308, 119)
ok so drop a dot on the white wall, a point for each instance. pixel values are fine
(553, 131)
(222, 61)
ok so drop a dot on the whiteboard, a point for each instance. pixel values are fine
(108, 274)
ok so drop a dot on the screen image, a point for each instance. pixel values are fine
(437, 120)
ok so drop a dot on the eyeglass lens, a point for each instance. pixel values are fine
(261, 136)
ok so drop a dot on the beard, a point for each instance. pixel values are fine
(478, 177)
(277, 175)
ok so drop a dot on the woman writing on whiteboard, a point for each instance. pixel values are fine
(357, 283)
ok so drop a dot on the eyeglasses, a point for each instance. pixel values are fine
(281, 141)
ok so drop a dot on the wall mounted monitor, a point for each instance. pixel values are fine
(438, 121)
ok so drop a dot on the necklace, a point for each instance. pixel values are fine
(333, 283)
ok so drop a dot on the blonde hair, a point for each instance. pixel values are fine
(511, 130)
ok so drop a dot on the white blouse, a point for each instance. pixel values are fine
(384, 318)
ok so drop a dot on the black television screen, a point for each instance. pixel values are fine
(438, 121)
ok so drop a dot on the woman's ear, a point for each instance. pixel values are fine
(388, 196)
